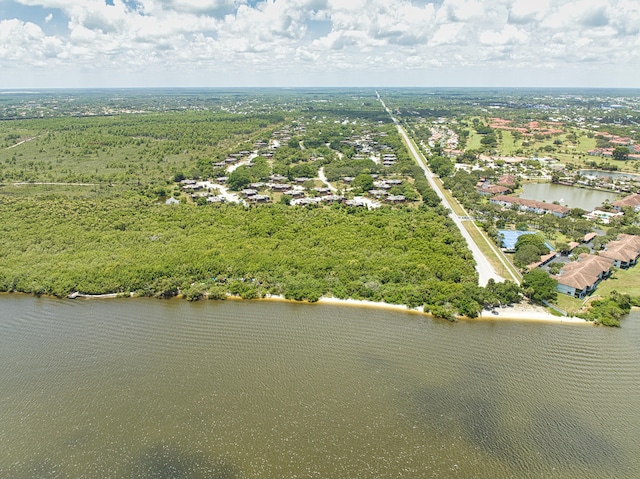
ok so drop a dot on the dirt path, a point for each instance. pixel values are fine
(21, 142)
(323, 178)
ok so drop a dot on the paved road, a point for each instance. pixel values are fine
(484, 268)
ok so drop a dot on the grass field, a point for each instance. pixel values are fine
(623, 281)
(568, 304)
(508, 144)
(127, 149)
(473, 142)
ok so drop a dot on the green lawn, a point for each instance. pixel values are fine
(508, 144)
(585, 144)
(623, 281)
(568, 304)
(473, 143)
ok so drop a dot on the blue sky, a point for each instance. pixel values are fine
(134, 43)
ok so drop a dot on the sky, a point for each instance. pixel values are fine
(289, 43)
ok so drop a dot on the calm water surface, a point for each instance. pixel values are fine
(573, 197)
(148, 388)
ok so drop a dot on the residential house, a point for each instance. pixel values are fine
(278, 178)
(631, 200)
(508, 181)
(624, 251)
(247, 192)
(259, 199)
(580, 278)
(279, 186)
(332, 199)
(538, 207)
(544, 260)
(294, 193)
(492, 190)
(378, 193)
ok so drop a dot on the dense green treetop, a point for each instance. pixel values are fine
(56, 246)
(539, 285)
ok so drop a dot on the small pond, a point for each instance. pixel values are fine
(570, 196)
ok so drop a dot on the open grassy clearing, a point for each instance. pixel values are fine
(508, 144)
(568, 304)
(623, 280)
(585, 144)
(473, 142)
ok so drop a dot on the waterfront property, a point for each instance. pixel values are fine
(632, 201)
(533, 206)
(580, 278)
(625, 251)
(491, 190)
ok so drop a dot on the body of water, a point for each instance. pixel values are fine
(148, 388)
(570, 196)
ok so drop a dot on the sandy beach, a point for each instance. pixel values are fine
(528, 312)
(518, 312)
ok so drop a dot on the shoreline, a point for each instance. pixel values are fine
(518, 312)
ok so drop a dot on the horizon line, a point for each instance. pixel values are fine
(319, 87)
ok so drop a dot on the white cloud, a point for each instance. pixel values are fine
(581, 13)
(527, 11)
(448, 34)
(308, 37)
(25, 42)
(508, 35)
(461, 10)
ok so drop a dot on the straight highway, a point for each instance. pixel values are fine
(484, 268)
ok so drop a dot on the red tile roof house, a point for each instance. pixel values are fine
(631, 200)
(580, 278)
(507, 180)
(493, 190)
(625, 251)
(545, 259)
(531, 205)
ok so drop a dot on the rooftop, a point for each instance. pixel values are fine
(585, 271)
